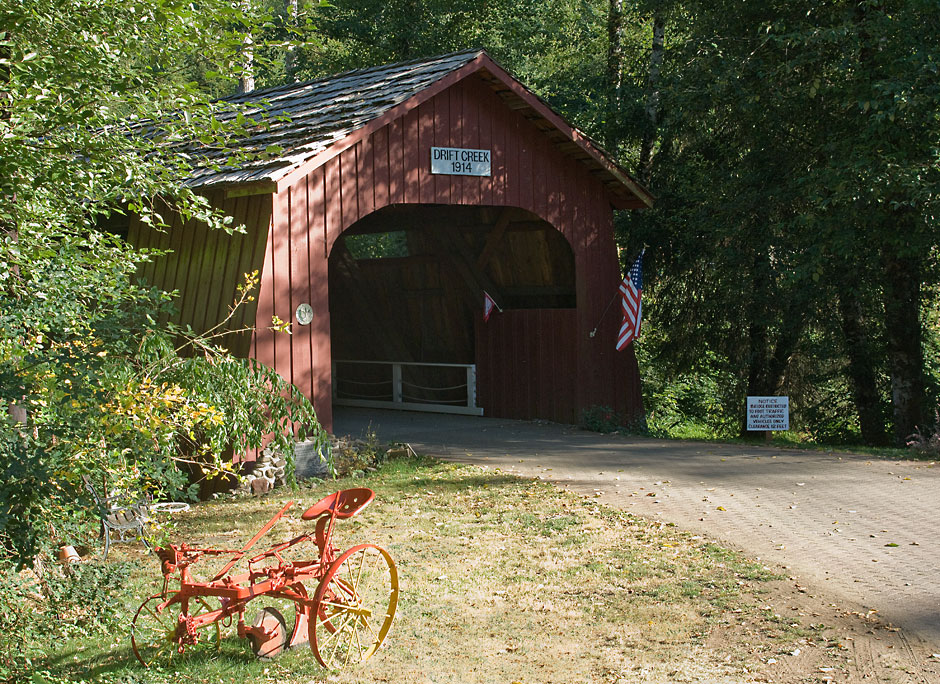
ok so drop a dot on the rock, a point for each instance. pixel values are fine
(260, 486)
(308, 463)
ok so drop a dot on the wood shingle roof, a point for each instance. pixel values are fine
(303, 122)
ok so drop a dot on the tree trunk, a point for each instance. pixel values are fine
(902, 294)
(614, 74)
(758, 382)
(652, 97)
(769, 358)
(246, 81)
(290, 56)
(758, 340)
(861, 370)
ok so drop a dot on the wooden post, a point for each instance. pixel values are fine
(396, 383)
(471, 386)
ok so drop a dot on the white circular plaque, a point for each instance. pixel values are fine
(304, 314)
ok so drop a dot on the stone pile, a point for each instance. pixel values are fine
(267, 473)
(351, 457)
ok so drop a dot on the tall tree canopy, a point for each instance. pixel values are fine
(793, 147)
(798, 175)
(90, 381)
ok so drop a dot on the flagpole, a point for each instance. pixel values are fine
(601, 319)
(487, 294)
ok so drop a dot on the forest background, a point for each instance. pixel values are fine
(793, 147)
(794, 150)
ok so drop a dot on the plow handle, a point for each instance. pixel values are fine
(254, 540)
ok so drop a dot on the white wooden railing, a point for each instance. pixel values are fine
(389, 390)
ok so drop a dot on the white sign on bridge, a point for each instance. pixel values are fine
(768, 413)
(457, 161)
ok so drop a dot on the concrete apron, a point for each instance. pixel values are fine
(849, 525)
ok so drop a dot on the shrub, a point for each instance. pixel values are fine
(36, 607)
(927, 439)
(601, 419)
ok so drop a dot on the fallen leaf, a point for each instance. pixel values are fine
(721, 508)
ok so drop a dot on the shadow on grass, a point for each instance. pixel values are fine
(230, 523)
(121, 665)
(392, 482)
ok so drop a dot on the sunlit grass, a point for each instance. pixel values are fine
(502, 579)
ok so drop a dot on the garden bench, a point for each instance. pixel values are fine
(119, 519)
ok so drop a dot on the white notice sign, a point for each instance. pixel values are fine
(768, 413)
(457, 161)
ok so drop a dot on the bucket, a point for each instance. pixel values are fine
(68, 554)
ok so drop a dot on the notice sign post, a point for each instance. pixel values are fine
(768, 413)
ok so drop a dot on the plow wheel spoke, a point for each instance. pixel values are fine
(154, 632)
(354, 606)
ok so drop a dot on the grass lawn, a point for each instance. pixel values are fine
(502, 580)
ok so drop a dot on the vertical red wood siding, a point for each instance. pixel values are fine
(392, 166)
(207, 266)
(531, 368)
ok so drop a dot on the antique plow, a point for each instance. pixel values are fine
(345, 620)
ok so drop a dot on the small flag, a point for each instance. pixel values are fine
(631, 290)
(488, 306)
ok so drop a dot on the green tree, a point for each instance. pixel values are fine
(89, 381)
(797, 174)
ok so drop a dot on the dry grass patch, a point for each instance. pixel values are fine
(502, 580)
(506, 580)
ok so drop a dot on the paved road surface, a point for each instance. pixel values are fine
(861, 528)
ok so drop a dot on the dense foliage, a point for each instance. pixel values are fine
(90, 381)
(793, 149)
(798, 178)
(34, 614)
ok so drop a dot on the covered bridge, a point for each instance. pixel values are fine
(395, 198)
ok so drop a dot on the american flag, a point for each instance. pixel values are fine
(631, 290)
(488, 306)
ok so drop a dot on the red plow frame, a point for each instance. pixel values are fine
(345, 621)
